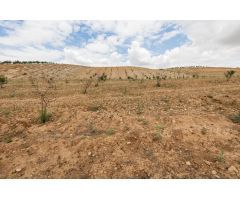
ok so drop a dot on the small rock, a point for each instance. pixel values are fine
(128, 142)
(232, 170)
(89, 153)
(207, 162)
(188, 163)
(18, 169)
(214, 172)
(115, 168)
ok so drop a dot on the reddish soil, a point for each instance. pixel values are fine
(122, 128)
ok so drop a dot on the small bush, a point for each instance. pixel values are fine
(12, 94)
(220, 157)
(235, 118)
(43, 88)
(229, 74)
(93, 108)
(87, 85)
(4, 112)
(139, 108)
(110, 131)
(195, 75)
(91, 128)
(44, 116)
(125, 91)
(158, 133)
(158, 81)
(3, 80)
(143, 121)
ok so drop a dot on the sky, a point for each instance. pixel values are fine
(153, 44)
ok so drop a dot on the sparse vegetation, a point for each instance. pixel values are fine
(158, 132)
(43, 88)
(3, 80)
(110, 131)
(101, 78)
(235, 118)
(143, 121)
(121, 128)
(25, 62)
(4, 112)
(93, 108)
(86, 85)
(195, 75)
(158, 81)
(44, 116)
(220, 157)
(229, 74)
(91, 128)
(139, 108)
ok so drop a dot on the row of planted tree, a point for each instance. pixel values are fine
(25, 62)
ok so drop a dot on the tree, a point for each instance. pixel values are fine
(86, 85)
(158, 81)
(229, 74)
(44, 89)
(3, 80)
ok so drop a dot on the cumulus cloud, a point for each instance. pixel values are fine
(138, 55)
(141, 43)
(87, 57)
(31, 53)
(39, 33)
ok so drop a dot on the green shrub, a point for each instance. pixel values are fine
(235, 118)
(110, 131)
(3, 80)
(158, 81)
(139, 108)
(44, 116)
(229, 74)
(158, 133)
(93, 108)
(220, 157)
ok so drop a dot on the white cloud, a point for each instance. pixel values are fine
(215, 43)
(125, 29)
(31, 53)
(138, 55)
(84, 56)
(38, 33)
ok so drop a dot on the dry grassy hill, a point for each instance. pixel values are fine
(189, 127)
(62, 71)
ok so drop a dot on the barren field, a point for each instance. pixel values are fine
(125, 127)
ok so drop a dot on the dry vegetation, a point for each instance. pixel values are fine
(137, 123)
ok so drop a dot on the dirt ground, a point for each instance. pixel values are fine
(123, 128)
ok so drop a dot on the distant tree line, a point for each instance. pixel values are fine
(25, 62)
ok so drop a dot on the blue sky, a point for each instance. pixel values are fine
(121, 43)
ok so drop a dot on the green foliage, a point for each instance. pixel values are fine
(3, 80)
(139, 108)
(110, 131)
(93, 108)
(158, 81)
(220, 157)
(25, 62)
(44, 116)
(43, 88)
(4, 112)
(195, 76)
(103, 77)
(235, 118)
(158, 133)
(87, 85)
(229, 74)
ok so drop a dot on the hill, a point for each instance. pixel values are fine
(185, 127)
